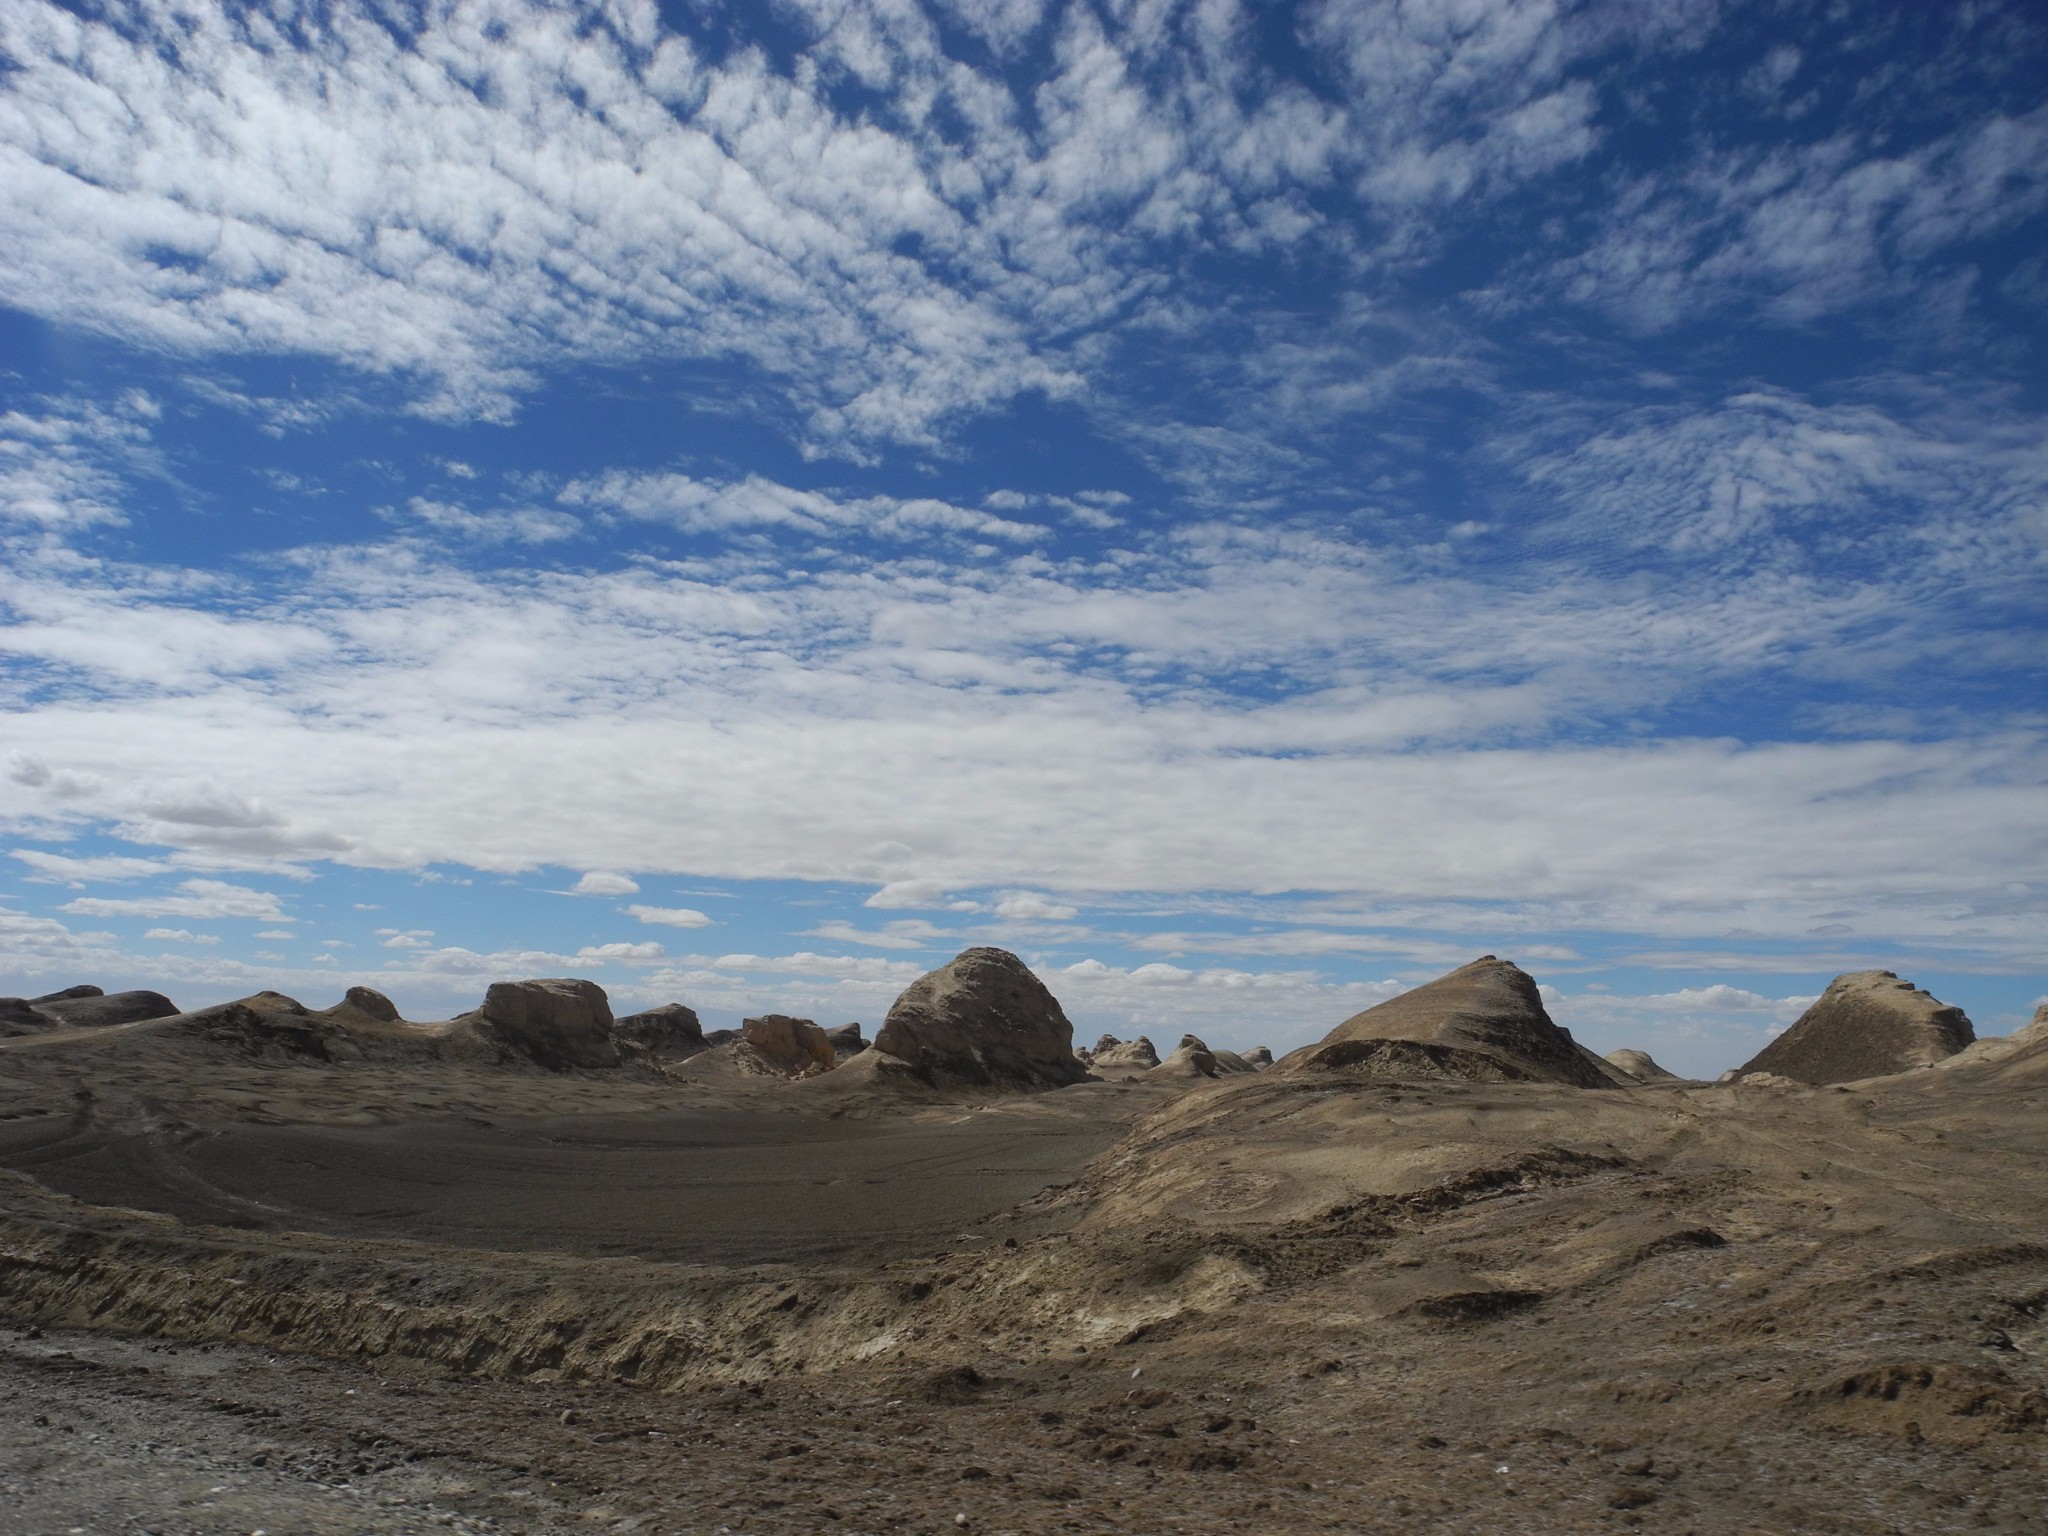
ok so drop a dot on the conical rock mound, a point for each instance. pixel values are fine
(1484, 1022)
(986, 1019)
(1867, 1024)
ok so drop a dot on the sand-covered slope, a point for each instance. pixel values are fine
(1483, 1022)
(1866, 1024)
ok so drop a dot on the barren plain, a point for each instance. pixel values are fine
(247, 1289)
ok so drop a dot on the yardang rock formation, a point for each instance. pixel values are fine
(1483, 1022)
(984, 1018)
(1867, 1024)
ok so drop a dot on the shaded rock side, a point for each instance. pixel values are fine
(556, 1023)
(101, 1009)
(1866, 1024)
(1484, 1021)
(19, 1016)
(670, 1031)
(1638, 1065)
(986, 1019)
(785, 1046)
(1258, 1058)
(847, 1041)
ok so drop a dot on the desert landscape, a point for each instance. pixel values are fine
(540, 1269)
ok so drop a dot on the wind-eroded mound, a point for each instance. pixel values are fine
(80, 1008)
(1640, 1066)
(1867, 1024)
(1484, 1022)
(982, 1019)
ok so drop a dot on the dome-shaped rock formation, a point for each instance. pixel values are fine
(847, 1041)
(372, 1004)
(1258, 1058)
(1638, 1065)
(1867, 1024)
(1484, 1021)
(984, 1018)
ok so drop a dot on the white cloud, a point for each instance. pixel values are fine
(699, 505)
(908, 893)
(909, 933)
(1802, 230)
(395, 938)
(201, 898)
(603, 883)
(1030, 906)
(275, 933)
(1073, 730)
(55, 469)
(606, 953)
(806, 963)
(65, 869)
(520, 525)
(670, 917)
(182, 936)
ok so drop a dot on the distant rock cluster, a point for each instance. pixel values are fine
(985, 1020)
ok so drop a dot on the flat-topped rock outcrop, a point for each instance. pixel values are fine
(983, 1018)
(786, 1047)
(1484, 1022)
(557, 1022)
(671, 1030)
(1866, 1024)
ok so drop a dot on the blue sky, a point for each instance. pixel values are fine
(1248, 506)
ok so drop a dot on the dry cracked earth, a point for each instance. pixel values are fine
(284, 1297)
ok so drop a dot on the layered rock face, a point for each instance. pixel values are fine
(669, 1031)
(1867, 1024)
(1484, 1022)
(787, 1047)
(559, 1022)
(983, 1018)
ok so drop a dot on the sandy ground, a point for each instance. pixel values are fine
(356, 1299)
